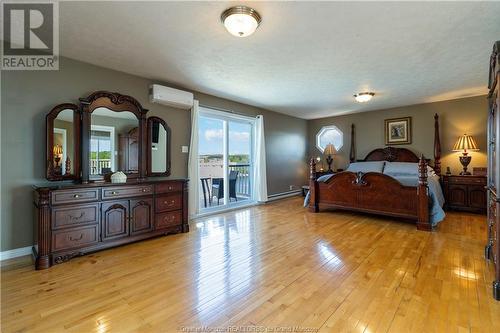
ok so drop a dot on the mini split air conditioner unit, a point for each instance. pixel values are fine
(170, 96)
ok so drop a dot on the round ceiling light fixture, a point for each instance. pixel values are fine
(364, 97)
(241, 21)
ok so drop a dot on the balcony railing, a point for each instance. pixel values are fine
(243, 178)
(96, 166)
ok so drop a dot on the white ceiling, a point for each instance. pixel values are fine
(306, 59)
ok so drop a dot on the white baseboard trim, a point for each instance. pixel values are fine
(22, 251)
(283, 195)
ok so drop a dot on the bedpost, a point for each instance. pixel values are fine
(437, 146)
(352, 152)
(313, 187)
(423, 222)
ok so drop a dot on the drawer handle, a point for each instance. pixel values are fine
(169, 218)
(144, 190)
(171, 203)
(114, 193)
(77, 217)
(75, 239)
(76, 196)
(170, 188)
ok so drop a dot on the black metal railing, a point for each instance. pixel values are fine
(242, 179)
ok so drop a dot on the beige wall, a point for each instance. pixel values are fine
(467, 115)
(27, 96)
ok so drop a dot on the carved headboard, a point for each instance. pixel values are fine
(393, 154)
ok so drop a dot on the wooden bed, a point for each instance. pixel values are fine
(375, 192)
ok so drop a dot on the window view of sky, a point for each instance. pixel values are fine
(211, 136)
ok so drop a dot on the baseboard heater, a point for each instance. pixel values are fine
(283, 195)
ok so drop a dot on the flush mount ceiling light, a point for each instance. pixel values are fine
(240, 21)
(364, 97)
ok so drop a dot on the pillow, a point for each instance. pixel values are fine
(405, 169)
(375, 166)
(401, 168)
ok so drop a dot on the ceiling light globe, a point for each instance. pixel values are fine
(240, 21)
(363, 97)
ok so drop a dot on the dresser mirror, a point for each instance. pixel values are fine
(63, 144)
(158, 147)
(105, 133)
(114, 142)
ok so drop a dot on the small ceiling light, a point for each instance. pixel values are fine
(240, 21)
(364, 97)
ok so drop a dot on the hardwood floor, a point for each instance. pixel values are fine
(275, 265)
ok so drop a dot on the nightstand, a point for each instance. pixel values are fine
(465, 193)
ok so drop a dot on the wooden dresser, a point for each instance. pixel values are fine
(492, 251)
(76, 219)
(465, 193)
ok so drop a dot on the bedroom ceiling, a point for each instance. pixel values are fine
(307, 59)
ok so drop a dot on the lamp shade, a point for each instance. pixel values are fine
(58, 150)
(330, 150)
(465, 142)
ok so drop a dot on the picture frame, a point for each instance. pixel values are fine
(397, 131)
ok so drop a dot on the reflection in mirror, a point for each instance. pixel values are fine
(114, 142)
(158, 148)
(63, 143)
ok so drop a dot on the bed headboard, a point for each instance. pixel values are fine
(393, 154)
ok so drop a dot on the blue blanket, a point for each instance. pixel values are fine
(436, 211)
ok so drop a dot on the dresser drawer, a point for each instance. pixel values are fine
(74, 196)
(74, 238)
(168, 202)
(170, 219)
(169, 187)
(116, 192)
(71, 216)
(468, 180)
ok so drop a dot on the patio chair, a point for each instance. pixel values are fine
(218, 187)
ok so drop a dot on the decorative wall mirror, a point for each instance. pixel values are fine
(158, 147)
(106, 133)
(113, 132)
(63, 142)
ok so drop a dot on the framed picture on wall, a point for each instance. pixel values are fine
(398, 131)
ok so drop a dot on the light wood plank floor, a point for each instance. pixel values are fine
(272, 266)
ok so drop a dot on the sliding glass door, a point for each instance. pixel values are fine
(225, 151)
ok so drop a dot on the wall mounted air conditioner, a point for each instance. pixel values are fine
(170, 96)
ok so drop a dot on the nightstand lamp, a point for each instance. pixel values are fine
(464, 144)
(329, 152)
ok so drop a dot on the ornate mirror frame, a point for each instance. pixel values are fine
(49, 119)
(118, 103)
(162, 122)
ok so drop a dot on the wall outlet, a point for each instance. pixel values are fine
(291, 187)
(185, 149)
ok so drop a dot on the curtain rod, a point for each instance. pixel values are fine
(226, 110)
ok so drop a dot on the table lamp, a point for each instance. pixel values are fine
(463, 144)
(329, 152)
(57, 154)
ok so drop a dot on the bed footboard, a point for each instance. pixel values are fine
(372, 193)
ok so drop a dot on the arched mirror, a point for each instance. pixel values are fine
(158, 147)
(114, 143)
(63, 142)
(113, 128)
